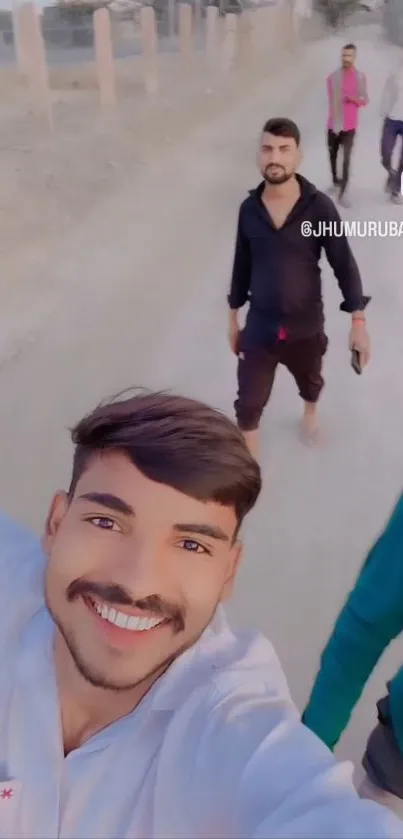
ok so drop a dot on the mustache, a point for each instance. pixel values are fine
(116, 595)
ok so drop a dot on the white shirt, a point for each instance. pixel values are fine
(397, 110)
(216, 749)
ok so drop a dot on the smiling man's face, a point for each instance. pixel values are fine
(135, 571)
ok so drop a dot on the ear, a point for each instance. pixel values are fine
(234, 561)
(56, 514)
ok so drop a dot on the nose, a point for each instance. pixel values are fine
(142, 569)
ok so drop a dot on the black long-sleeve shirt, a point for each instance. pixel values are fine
(277, 270)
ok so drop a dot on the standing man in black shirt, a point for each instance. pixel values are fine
(282, 227)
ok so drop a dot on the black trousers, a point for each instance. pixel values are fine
(392, 129)
(383, 760)
(257, 370)
(344, 140)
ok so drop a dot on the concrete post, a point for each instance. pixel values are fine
(20, 52)
(280, 24)
(275, 27)
(296, 22)
(230, 41)
(258, 31)
(104, 58)
(285, 9)
(34, 59)
(245, 30)
(288, 10)
(197, 15)
(185, 30)
(211, 33)
(172, 18)
(149, 43)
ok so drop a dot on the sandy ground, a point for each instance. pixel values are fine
(135, 295)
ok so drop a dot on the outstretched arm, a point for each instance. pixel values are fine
(371, 618)
(257, 772)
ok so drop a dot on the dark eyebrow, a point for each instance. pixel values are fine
(208, 530)
(109, 501)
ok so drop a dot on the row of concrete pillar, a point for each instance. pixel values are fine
(220, 47)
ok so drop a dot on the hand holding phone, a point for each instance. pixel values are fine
(356, 362)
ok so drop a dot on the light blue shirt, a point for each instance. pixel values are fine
(216, 749)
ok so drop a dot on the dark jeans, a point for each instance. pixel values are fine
(392, 129)
(257, 370)
(344, 140)
(383, 760)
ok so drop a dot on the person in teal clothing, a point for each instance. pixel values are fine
(371, 618)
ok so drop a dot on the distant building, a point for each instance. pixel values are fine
(68, 26)
(6, 27)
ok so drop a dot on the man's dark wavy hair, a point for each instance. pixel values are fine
(175, 441)
(283, 127)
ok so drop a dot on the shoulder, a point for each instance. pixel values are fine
(226, 671)
(248, 203)
(246, 215)
(21, 572)
(237, 761)
(16, 543)
(245, 702)
(325, 208)
(235, 702)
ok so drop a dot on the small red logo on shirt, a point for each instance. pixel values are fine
(7, 793)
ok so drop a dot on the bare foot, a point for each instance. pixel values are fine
(310, 432)
(252, 441)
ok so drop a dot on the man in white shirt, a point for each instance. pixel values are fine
(392, 132)
(128, 708)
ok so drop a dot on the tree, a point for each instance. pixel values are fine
(335, 12)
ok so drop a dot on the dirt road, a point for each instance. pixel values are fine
(137, 297)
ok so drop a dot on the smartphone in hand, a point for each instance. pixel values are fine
(356, 362)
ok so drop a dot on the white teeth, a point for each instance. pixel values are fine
(121, 620)
(124, 621)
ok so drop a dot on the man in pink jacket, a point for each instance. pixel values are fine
(347, 92)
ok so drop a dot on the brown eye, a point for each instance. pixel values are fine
(103, 523)
(193, 546)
